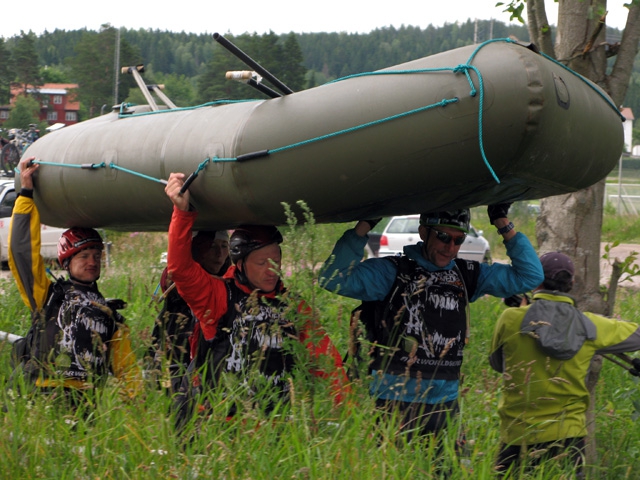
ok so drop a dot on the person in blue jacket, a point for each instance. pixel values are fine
(421, 325)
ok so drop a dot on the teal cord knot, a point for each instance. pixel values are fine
(202, 165)
(464, 68)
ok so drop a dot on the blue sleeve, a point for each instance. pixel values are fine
(346, 274)
(503, 280)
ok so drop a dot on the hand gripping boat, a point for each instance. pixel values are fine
(471, 126)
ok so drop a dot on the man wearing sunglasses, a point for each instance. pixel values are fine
(416, 308)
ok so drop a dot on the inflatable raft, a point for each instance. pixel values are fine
(467, 127)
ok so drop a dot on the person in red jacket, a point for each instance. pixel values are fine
(246, 325)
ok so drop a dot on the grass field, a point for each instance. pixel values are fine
(308, 439)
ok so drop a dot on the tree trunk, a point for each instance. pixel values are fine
(539, 29)
(572, 224)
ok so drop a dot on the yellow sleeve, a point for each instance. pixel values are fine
(25, 261)
(123, 362)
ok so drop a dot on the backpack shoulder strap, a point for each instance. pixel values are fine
(34, 347)
(469, 278)
(470, 272)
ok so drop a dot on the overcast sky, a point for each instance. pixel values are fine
(240, 16)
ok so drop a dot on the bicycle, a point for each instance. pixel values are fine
(13, 149)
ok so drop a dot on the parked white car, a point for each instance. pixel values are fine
(403, 230)
(50, 235)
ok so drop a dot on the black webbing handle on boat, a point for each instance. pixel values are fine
(188, 182)
(253, 155)
(251, 63)
(240, 158)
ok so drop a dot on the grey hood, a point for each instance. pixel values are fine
(559, 328)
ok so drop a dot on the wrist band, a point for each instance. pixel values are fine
(26, 192)
(506, 229)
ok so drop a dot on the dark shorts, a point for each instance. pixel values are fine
(572, 448)
(421, 418)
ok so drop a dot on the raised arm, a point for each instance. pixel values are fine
(25, 260)
(205, 294)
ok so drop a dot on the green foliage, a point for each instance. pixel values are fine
(514, 8)
(15, 317)
(6, 69)
(333, 55)
(628, 164)
(282, 59)
(54, 74)
(620, 228)
(292, 64)
(179, 88)
(24, 60)
(523, 218)
(92, 68)
(25, 111)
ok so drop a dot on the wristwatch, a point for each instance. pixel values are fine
(506, 229)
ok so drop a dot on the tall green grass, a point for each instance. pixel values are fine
(307, 439)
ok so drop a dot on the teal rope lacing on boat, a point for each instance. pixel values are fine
(465, 68)
(123, 114)
(442, 103)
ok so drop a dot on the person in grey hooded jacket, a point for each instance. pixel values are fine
(544, 351)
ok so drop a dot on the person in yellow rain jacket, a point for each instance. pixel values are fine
(77, 337)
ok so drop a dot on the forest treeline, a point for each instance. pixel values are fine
(192, 66)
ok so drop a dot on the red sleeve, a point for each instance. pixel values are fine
(205, 295)
(319, 345)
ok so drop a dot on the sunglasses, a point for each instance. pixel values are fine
(446, 238)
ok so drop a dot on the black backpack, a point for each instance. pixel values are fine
(171, 331)
(31, 351)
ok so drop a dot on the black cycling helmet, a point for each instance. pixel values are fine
(458, 219)
(247, 238)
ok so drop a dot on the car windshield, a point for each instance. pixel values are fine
(6, 206)
(404, 225)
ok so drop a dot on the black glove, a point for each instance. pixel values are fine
(372, 222)
(116, 304)
(499, 210)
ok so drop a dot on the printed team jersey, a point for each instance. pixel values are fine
(426, 321)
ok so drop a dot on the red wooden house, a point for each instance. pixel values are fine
(57, 103)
